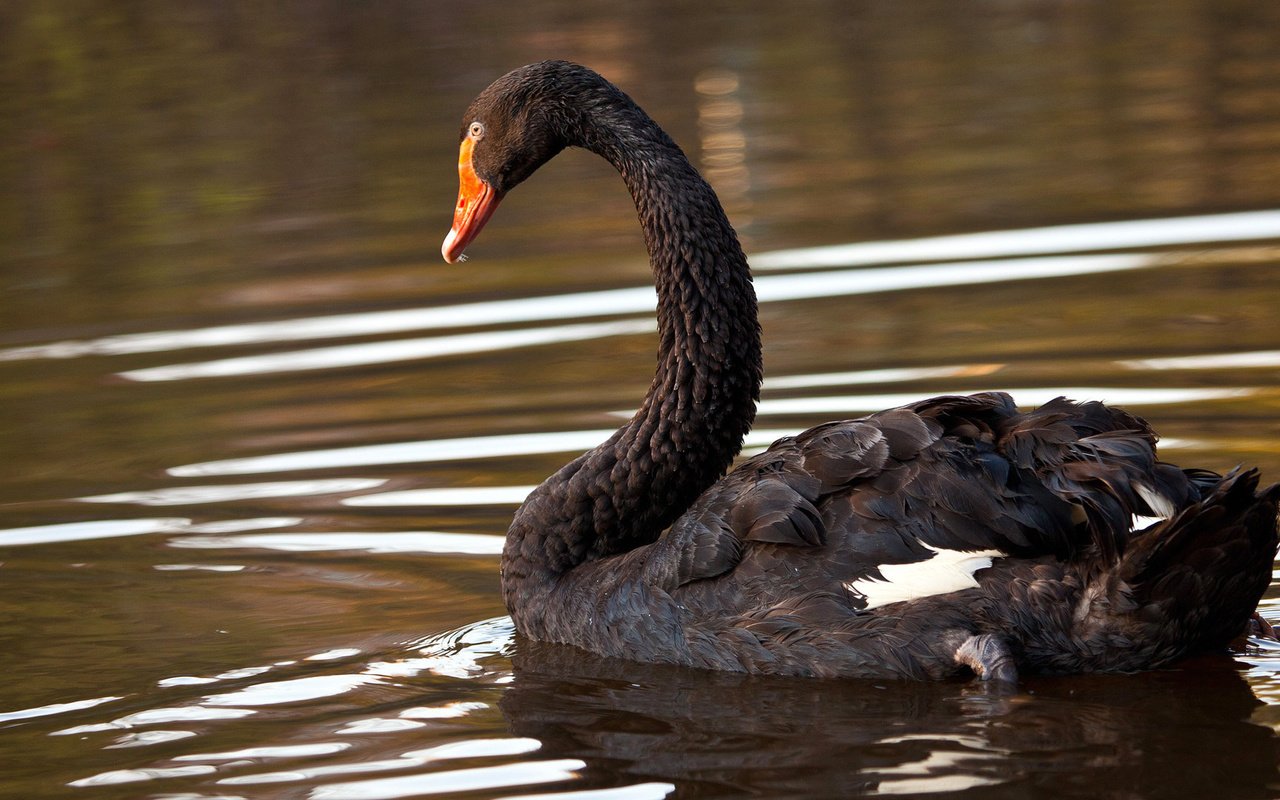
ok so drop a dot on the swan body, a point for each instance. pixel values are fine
(954, 535)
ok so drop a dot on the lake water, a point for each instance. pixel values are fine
(260, 444)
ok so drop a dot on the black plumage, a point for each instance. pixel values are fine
(953, 534)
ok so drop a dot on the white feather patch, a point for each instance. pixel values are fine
(1139, 522)
(1161, 507)
(944, 572)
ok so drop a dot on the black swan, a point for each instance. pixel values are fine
(951, 535)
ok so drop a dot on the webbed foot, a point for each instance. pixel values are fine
(1258, 626)
(989, 657)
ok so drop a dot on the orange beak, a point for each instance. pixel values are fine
(476, 203)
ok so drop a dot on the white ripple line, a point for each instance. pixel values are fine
(634, 300)
(1163, 232)
(1243, 226)
(385, 352)
(769, 289)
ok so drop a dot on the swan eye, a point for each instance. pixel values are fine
(476, 131)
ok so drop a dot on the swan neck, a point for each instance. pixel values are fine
(701, 403)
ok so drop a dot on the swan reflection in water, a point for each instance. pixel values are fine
(1178, 733)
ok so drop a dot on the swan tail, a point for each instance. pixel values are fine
(1191, 584)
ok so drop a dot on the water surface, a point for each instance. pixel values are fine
(261, 445)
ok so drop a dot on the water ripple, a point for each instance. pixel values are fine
(353, 355)
(1027, 396)
(444, 496)
(462, 780)
(1239, 360)
(193, 495)
(402, 453)
(293, 690)
(769, 288)
(991, 246)
(56, 708)
(364, 542)
(274, 751)
(111, 528)
(1244, 226)
(434, 450)
(134, 775)
(636, 791)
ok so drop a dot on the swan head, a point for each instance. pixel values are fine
(513, 127)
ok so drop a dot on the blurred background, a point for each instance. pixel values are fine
(249, 418)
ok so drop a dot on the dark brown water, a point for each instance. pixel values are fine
(259, 444)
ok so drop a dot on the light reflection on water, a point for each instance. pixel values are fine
(1258, 359)
(385, 352)
(473, 748)
(456, 496)
(460, 654)
(892, 168)
(402, 453)
(365, 542)
(1026, 397)
(575, 441)
(768, 289)
(528, 773)
(192, 495)
(1052, 241)
(1055, 239)
(113, 528)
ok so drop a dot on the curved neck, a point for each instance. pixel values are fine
(702, 400)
